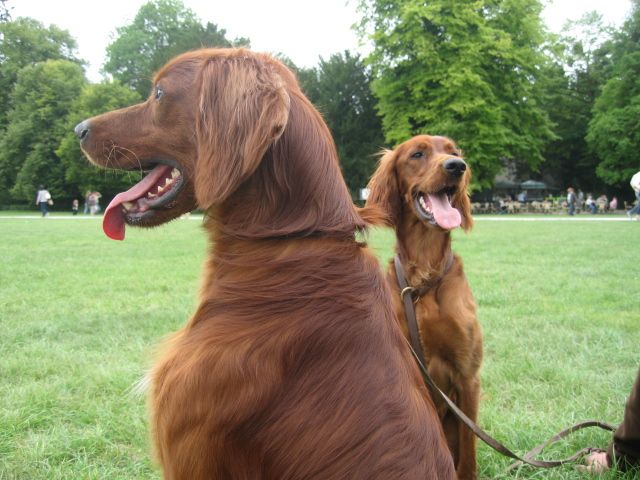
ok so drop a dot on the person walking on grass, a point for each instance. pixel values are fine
(571, 201)
(43, 200)
(635, 184)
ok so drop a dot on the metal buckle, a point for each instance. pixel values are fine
(406, 290)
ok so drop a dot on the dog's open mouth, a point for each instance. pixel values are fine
(436, 208)
(156, 191)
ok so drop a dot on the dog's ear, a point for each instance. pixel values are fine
(384, 192)
(462, 202)
(244, 108)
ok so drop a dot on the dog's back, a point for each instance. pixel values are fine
(312, 376)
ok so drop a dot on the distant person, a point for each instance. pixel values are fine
(43, 200)
(613, 204)
(75, 204)
(94, 202)
(590, 203)
(571, 201)
(501, 205)
(580, 201)
(623, 452)
(603, 202)
(97, 208)
(86, 201)
(635, 184)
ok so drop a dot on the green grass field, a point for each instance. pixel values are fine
(80, 316)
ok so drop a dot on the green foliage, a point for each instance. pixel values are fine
(5, 14)
(483, 72)
(80, 175)
(581, 64)
(41, 100)
(25, 42)
(161, 30)
(613, 135)
(467, 70)
(340, 88)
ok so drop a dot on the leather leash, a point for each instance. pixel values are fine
(407, 295)
(418, 354)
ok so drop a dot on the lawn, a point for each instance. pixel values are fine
(80, 316)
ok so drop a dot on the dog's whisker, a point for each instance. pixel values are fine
(135, 157)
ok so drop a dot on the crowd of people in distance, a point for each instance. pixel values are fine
(91, 202)
(573, 203)
(576, 203)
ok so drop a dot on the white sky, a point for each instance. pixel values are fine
(301, 29)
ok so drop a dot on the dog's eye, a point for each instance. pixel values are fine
(159, 93)
(418, 155)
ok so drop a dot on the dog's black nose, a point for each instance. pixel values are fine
(82, 130)
(455, 166)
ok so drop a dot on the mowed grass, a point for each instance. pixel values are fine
(81, 317)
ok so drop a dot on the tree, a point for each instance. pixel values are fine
(25, 42)
(41, 100)
(161, 30)
(340, 88)
(581, 64)
(79, 174)
(5, 14)
(468, 70)
(613, 133)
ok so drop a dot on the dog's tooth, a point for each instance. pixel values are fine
(175, 173)
(168, 181)
(160, 189)
(151, 195)
(127, 205)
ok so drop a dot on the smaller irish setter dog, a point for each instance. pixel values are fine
(422, 187)
(293, 366)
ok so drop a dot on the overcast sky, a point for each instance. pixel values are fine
(301, 29)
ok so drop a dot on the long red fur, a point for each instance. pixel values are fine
(450, 332)
(293, 365)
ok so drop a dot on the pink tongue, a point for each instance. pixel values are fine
(113, 221)
(445, 215)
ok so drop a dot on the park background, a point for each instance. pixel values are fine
(522, 102)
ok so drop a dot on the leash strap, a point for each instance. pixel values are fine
(499, 447)
(528, 457)
(406, 294)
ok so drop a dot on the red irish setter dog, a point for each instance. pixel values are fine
(422, 187)
(293, 366)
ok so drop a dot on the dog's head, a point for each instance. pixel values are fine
(426, 178)
(210, 118)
